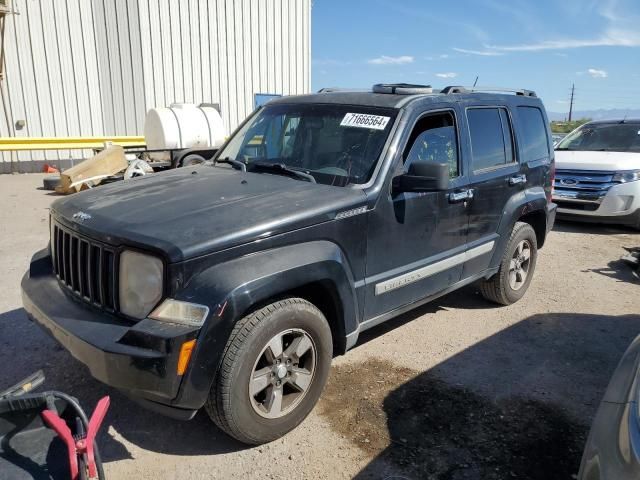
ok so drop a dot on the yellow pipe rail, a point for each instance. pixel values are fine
(8, 144)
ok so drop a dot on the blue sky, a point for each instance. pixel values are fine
(541, 45)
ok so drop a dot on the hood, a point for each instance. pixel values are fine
(607, 161)
(193, 211)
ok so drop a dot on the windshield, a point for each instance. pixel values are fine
(336, 144)
(611, 137)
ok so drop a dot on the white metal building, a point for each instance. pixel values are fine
(94, 67)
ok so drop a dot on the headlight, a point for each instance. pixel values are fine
(140, 282)
(182, 313)
(627, 176)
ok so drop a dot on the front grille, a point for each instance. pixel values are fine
(85, 267)
(582, 186)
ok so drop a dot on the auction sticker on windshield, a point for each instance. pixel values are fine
(362, 120)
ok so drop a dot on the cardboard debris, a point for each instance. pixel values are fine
(92, 171)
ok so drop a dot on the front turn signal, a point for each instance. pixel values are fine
(185, 356)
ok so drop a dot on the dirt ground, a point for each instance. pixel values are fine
(456, 389)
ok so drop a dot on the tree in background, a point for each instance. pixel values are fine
(566, 127)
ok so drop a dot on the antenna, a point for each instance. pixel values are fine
(476, 82)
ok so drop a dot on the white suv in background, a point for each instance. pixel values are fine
(598, 173)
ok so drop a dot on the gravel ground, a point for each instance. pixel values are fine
(456, 389)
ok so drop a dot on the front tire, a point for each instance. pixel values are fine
(516, 268)
(274, 367)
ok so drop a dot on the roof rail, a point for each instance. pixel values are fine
(460, 89)
(338, 89)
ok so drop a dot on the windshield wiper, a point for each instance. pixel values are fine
(232, 161)
(281, 167)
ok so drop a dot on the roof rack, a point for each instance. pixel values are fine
(460, 89)
(401, 88)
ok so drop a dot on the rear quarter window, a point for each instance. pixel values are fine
(534, 142)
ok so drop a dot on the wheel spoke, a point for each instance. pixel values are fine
(300, 378)
(260, 381)
(275, 348)
(299, 347)
(512, 264)
(520, 248)
(526, 254)
(273, 405)
(512, 279)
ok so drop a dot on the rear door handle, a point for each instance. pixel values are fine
(518, 179)
(463, 196)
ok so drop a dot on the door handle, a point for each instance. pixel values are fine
(463, 196)
(518, 179)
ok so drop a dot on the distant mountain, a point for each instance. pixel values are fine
(602, 114)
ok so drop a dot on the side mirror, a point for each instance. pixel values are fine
(423, 177)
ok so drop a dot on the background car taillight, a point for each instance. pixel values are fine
(552, 174)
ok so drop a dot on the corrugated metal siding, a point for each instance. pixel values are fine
(80, 67)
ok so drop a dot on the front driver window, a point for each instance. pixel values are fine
(434, 139)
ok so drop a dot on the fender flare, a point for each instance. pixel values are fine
(524, 203)
(232, 288)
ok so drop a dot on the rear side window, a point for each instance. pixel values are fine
(491, 137)
(534, 142)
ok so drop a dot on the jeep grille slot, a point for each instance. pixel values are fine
(85, 267)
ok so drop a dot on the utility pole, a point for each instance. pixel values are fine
(573, 86)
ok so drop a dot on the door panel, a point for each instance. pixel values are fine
(407, 233)
(416, 241)
(495, 176)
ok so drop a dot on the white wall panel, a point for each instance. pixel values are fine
(94, 67)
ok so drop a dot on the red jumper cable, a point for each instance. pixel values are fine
(83, 445)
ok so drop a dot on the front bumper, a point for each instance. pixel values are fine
(138, 358)
(631, 219)
(620, 205)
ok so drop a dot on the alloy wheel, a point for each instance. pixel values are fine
(519, 265)
(283, 373)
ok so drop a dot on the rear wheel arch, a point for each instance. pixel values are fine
(517, 264)
(538, 221)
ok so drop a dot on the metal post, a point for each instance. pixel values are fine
(573, 86)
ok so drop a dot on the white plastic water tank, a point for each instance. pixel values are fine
(183, 125)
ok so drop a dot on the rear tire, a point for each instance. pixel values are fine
(516, 268)
(273, 370)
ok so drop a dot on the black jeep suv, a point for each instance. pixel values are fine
(231, 285)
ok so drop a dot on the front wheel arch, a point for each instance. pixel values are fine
(316, 271)
(231, 406)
